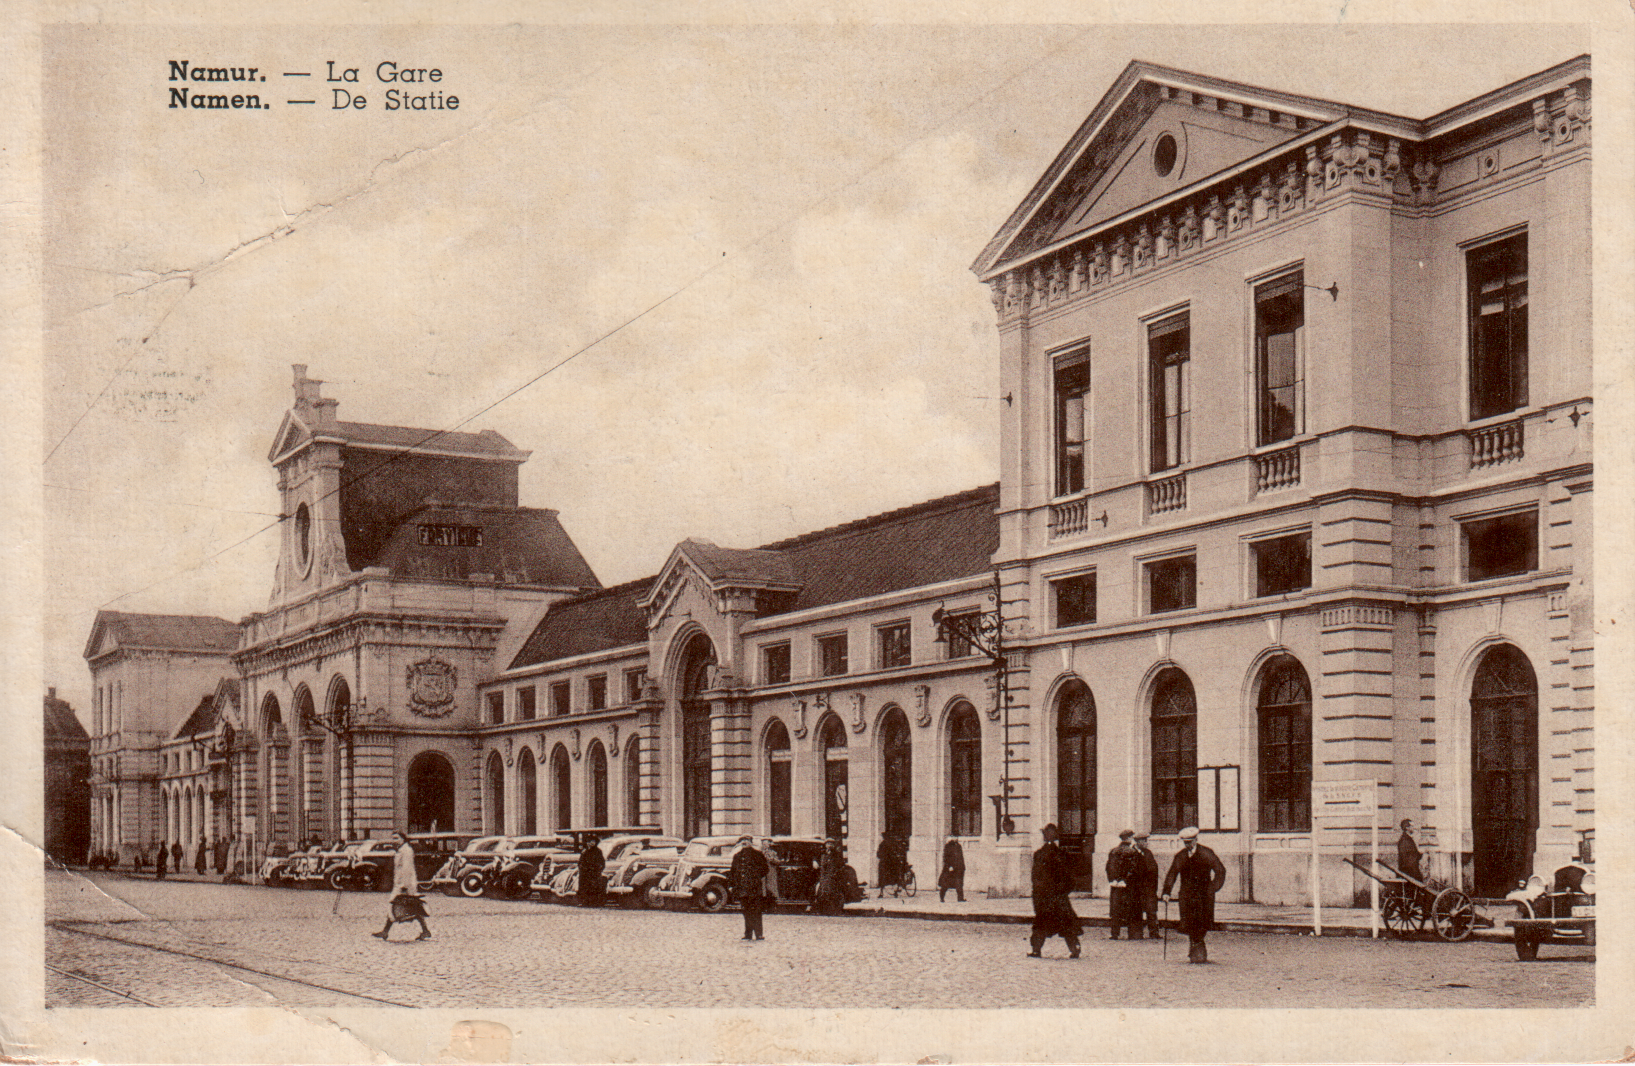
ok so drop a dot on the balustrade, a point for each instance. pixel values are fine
(1277, 470)
(1492, 445)
(1167, 495)
(1069, 518)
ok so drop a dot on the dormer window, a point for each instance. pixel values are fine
(451, 536)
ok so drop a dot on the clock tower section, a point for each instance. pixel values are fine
(307, 456)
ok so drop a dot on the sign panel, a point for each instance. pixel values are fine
(1334, 799)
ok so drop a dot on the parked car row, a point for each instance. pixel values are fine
(642, 867)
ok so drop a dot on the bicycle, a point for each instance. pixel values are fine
(905, 885)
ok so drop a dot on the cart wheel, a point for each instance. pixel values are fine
(1526, 948)
(1452, 914)
(1398, 919)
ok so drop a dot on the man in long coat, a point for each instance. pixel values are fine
(1142, 884)
(161, 860)
(592, 886)
(1052, 911)
(1201, 874)
(953, 871)
(1408, 852)
(1120, 864)
(406, 904)
(748, 877)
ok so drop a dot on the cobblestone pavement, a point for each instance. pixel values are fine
(243, 945)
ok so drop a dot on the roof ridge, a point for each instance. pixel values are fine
(953, 501)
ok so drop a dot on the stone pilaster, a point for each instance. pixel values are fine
(373, 809)
(732, 802)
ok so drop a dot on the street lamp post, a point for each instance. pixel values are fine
(985, 632)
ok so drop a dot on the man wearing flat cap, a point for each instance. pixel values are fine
(1052, 911)
(1120, 865)
(747, 875)
(1142, 884)
(1201, 874)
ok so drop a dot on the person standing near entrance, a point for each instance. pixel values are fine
(1408, 851)
(748, 877)
(1142, 884)
(953, 871)
(1201, 874)
(592, 887)
(1052, 911)
(201, 856)
(1120, 864)
(406, 905)
(176, 852)
(161, 861)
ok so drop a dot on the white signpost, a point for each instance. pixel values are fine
(1345, 799)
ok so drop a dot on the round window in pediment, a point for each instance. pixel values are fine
(1164, 155)
(303, 535)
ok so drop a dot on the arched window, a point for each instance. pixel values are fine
(780, 794)
(633, 780)
(1504, 768)
(431, 794)
(1284, 710)
(964, 772)
(1174, 753)
(695, 737)
(1076, 765)
(596, 758)
(561, 789)
(898, 792)
(527, 793)
(832, 741)
(496, 793)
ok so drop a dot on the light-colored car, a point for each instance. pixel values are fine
(1561, 912)
(701, 877)
(550, 877)
(633, 867)
(475, 855)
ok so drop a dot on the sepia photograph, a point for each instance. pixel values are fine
(819, 539)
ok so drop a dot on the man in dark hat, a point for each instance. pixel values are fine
(1142, 884)
(592, 885)
(1052, 911)
(748, 877)
(1201, 874)
(1120, 863)
(1408, 851)
(953, 871)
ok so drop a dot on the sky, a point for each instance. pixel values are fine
(739, 257)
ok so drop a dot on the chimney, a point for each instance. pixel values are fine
(51, 692)
(309, 401)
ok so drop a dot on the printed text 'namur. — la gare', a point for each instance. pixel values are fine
(239, 88)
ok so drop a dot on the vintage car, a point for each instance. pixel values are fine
(549, 875)
(1561, 912)
(475, 855)
(511, 874)
(370, 865)
(633, 866)
(700, 876)
(305, 868)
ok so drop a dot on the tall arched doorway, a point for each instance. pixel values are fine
(1076, 777)
(561, 790)
(1174, 753)
(431, 793)
(897, 781)
(633, 780)
(1283, 714)
(496, 793)
(1504, 769)
(779, 781)
(596, 758)
(275, 768)
(964, 771)
(832, 740)
(527, 793)
(696, 666)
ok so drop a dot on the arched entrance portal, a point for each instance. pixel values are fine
(832, 739)
(696, 666)
(1504, 769)
(431, 793)
(1076, 777)
(898, 791)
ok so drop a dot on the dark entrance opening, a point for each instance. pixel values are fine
(431, 794)
(1504, 769)
(832, 738)
(1076, 779)
(696, 666)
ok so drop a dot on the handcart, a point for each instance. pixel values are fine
(1408, 904)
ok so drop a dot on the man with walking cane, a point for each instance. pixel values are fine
(1201, 874)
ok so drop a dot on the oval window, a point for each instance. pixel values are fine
(303, 533)
(1163, 155)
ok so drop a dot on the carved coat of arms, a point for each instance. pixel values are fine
(431, 688)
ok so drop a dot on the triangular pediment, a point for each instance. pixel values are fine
(1156, 132)
(292, 433)
(104, 638)
(679, 574)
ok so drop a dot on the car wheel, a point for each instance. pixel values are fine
(1526, 948)
(337, 879)
(1589, 934)
(515, 885)
(643, 898)
(712, 897)
(471, 884)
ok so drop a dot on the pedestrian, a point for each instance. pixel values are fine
(886, 865)
(406, 906)
(953, 871)
(1201, 874)
(592, 886)
(748, 878)
(829, 897)
(1142, 884)
(235, 861)
(1052, 911)
(140, 859)
(1408, 851)
(1120, 864)
(202, 857)
(176, 853)
(161, 861)
(221, 855)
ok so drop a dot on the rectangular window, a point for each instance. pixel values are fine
(561, 698)
(1282, 564)
(1172, 584)
(1168, 353)
(1072, 418)
(1502, 546)
(960, 623)
(896, 648)
(496, 708)
(1280, 358)
(775, 664)
(1075, 600)
(1497, 275)
(597, 690)
(525, 703)
(832, 655)
(633, 680)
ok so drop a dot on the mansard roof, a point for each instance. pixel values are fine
(202, 720)
(61, 723)
(163, 632)
(295, 432)
(939, 540)
(519, 546)
(1113, 167)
